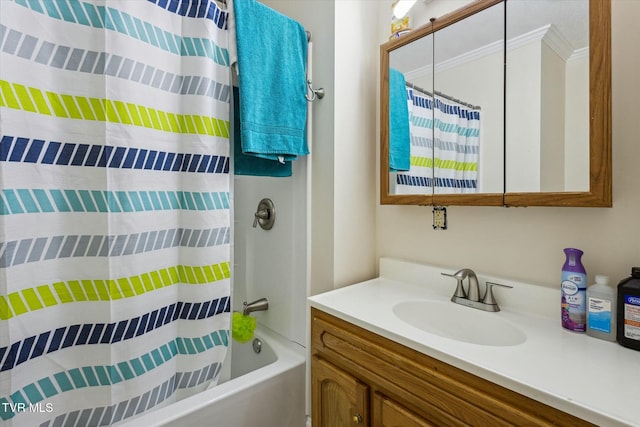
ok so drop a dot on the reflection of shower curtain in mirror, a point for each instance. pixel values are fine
(456, 152)
(114, 207)
(419, 178)
(457, 143)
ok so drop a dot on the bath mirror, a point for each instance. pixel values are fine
(469, 107)
(540, 73)
(411, 90)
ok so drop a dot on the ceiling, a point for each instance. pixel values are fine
(569, 17)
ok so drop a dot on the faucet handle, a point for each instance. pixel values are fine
(459, 293)
(261, 214)
(488, 295)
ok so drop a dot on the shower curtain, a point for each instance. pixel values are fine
(456, 148)
(450, 165)
(419, 178)
(114, 207)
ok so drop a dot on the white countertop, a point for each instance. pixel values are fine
(593, 379)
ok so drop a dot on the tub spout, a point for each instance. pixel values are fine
(257, 305)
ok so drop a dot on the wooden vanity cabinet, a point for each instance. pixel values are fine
(361, 378)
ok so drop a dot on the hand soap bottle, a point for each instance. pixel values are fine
(601, 310)
(573, 292)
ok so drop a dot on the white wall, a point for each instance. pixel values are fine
(552, 121)
(356, 66)
(550, 139)
(272, 263)
(524, 69)
(527, 243)
(577, 124)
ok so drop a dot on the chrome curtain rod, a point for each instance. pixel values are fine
(443, 95)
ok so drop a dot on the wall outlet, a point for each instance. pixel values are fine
(439, 218)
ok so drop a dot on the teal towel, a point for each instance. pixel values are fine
(272, 56)
(250, 165)
(399, 133)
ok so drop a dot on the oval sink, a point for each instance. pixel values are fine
(459, 323)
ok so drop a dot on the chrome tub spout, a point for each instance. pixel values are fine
(258, 305)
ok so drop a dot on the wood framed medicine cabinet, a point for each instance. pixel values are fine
(595, 187)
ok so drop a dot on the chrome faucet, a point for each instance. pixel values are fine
(474, 289)
(471, 298)
(258, 305)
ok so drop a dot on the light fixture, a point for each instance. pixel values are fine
(402, 7)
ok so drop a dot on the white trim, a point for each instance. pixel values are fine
(579, 53)
(558, 42)
(547, 33)
(481, 52)
(526, 38)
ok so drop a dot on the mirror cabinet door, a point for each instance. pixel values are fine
(547, 110)
(491, 117)
(411, 118)
(469, 105)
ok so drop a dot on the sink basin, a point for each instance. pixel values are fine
(459, 323)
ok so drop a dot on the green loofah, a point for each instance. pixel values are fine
(242, 327)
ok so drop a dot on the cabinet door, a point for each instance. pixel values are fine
(338, 399)
(387, 413)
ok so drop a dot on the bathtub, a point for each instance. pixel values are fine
(263, 389)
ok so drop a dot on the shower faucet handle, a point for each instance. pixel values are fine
(265, 214)
(260, 214)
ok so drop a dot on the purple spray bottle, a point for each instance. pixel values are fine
(574, 292)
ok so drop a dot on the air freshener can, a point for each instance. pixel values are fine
(573, 292)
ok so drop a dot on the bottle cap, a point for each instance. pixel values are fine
(635, 272)
(601, 279)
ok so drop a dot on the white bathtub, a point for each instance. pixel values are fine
(264, 390)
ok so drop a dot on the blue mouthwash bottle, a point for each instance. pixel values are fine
(573, 292)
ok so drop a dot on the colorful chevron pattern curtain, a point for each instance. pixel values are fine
(419, 178)
(450, 164)
(456, 148)
(114, 207)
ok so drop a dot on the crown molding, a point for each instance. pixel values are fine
(548, 34)
(579, 54)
